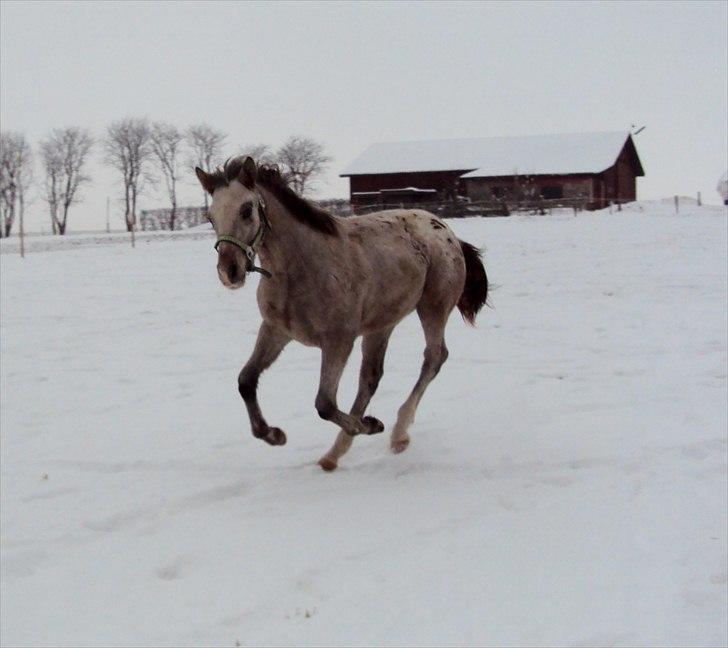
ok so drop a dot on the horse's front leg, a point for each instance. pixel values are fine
(373, 347)
(334, 355)
(268, 347)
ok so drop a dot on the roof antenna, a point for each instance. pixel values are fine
(639, 130)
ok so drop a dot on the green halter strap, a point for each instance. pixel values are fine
(250, 250)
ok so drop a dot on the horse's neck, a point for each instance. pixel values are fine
(287, 241)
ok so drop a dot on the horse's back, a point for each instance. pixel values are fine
(423, 226)
(412, 253)
(407, 229)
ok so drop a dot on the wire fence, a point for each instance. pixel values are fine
(499, 207)
(158, 219)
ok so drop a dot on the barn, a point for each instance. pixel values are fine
(589, 169)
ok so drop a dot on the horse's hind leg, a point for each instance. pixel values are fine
(268, 347)
(433, 323)
(373, 348)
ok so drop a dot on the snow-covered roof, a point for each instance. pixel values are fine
(495, 156)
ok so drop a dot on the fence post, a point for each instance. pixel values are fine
(677, 206)
(700, 202)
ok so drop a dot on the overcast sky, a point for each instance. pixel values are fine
(350, 74)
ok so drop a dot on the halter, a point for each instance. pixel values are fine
(251, 249)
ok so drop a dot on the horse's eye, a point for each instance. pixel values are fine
(246, 210)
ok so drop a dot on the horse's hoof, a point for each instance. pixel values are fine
(372, 425)
(275, 437)
(327, 464)
(400, 445)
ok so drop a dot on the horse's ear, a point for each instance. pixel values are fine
(248, 173)
(206, 180)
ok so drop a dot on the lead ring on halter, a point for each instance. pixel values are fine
(250, 249)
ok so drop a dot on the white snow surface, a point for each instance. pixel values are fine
(566, 483)
(495, 156)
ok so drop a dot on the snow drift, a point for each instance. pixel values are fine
(566, 484)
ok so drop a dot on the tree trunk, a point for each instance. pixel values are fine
(62, 224)
(133, 215)
(9, 215)
(173, 195)
(53, 213)
(127, 204)
(133, 207)
(21, 231)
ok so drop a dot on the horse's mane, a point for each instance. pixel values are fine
(270, 177)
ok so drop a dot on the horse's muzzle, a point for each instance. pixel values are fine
(231, 264)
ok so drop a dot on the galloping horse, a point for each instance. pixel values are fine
(328, 280)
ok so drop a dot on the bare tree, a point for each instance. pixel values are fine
(16, 168)
(205, 145)
(53, 168)
(127, 148)
(303, 160)
(167, 141)
(261, 153)
(8, 188)
(64, 153)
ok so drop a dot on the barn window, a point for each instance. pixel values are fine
(552, 193)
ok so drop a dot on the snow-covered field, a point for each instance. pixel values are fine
(566, 484)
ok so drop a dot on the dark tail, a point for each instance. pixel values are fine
(475, 291)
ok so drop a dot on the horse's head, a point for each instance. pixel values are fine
(237, 214)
